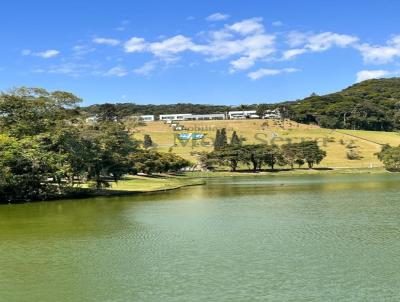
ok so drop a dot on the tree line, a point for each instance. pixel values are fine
(257, 156)
(47, 148)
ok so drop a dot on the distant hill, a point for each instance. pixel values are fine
(369, 105)
(127, 109)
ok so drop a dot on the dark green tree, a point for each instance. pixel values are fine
(147, 141)
(235, 140)
(311, 153)
(390, 156)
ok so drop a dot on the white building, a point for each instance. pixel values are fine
(191, 117)
(205, 117)
(272, 114)
(147, 118)
(173, 117)
(237, 115)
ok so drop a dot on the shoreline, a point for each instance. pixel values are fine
(135, 185)
(287, 173)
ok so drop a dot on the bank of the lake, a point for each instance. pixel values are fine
(286, 173)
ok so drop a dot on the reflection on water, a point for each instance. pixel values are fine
(308, 238)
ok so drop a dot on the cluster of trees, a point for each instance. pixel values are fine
(369, 105)
(150, 161)
(390, 157)
(257, 156)
(47, 147)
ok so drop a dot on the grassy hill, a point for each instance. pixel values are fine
(259, 131)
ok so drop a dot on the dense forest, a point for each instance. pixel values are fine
(369, 105)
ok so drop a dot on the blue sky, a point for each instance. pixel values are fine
(216, 52)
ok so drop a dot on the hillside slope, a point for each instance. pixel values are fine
(335, 143)
(369, 105)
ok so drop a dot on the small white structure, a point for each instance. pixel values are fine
(147, 118)
(237, 115)
(206, 117)
(191, 117)
(272, 114)
(173, 117)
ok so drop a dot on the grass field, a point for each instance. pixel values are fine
(153, 183)
(271, 131)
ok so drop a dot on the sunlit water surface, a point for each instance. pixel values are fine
(332, 238)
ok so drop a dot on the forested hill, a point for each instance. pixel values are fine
(369, 105)
(127, 109)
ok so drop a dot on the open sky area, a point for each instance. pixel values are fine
(215, 52)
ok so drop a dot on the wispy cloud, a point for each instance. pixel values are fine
(46, 54)
(145, 69)
(375, 74)
(381, 54)
(263, 72)
(70, 69)
(117, 71)
(123, 26)
(106, 41)
(277, 23)
(308, 43)
(217, 17)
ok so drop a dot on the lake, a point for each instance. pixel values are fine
(277, 238)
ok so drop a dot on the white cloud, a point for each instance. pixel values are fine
(263, 72)
(291, 53)
(171, 46)
(116, 71)
(307, 42)
(248, 26)
(245, 40)
(326, 40)
(146, 69)
(374, 74)
(296, 38)
(217, 17)
(381, 54)
(46, 54)
(135, 44)
(106, 41)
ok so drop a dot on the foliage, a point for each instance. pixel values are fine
(46, 147)
(390, 156)
(147, 141)
(235, 140)
(149, 162)
(259, 155)
(221, 139)
(369, 105)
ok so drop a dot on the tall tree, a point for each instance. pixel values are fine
(147, 141)
(311, 153)
(235, 140)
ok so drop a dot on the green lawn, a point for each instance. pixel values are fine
(153, 183)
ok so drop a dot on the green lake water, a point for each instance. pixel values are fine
(308, 238)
